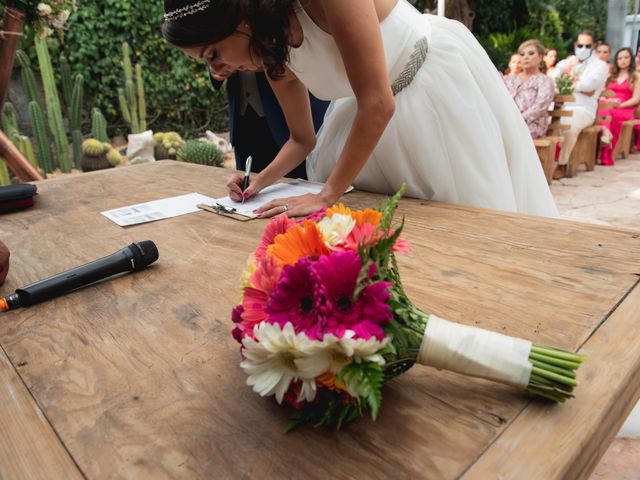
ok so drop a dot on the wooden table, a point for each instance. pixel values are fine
(138, 377)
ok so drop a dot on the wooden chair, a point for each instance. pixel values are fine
(586, 148)
(623, 147)
(546, 146)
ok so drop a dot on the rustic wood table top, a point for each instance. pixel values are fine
(139, 377)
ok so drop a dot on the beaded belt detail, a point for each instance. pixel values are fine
(411, 68)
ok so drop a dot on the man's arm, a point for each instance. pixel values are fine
(593, 78)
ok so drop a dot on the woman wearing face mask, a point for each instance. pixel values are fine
(624, 84)
(415, 99)
(532, 90)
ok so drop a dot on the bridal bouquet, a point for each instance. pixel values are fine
(324, 322)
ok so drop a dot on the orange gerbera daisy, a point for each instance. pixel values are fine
(330, 381)
(298, 242)
(360, 216)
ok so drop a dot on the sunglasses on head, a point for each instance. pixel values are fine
(580, 45)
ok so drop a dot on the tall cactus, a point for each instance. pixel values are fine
(65, 80)
(75, 123)
(54, 112)
(23, 143)
(28, 79)
(98, 125)
(9, 122)
(131, 97)
(42, 136)
(5, 179)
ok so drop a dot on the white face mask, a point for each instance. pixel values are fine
(582, 53)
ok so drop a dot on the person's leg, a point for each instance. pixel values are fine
(579, 120)
(252, 136)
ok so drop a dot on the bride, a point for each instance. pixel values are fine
(416, 100)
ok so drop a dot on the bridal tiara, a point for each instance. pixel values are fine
(186, 10)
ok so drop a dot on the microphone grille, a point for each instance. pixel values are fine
(148, 250)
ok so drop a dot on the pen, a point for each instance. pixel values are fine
(247, 171)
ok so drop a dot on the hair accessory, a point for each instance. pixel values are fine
(187, 10)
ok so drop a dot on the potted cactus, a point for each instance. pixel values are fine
(97, 155)
(166, 145)
(201, 152)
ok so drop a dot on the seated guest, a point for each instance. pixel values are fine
(550, 60)
(589, 74)
(603, 52)
(515, 65)
(4, 262)
(624, 84)
(257, 126)
(532, 90)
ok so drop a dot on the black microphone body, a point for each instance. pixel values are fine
(136, 256)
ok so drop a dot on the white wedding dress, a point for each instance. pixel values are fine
(456, 135)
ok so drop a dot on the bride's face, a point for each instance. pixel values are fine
(228, 55)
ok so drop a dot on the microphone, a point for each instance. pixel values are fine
(136, 256)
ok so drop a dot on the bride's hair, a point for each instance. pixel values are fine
(212, 21)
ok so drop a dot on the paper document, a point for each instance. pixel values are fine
(157, 209)
(273, 192)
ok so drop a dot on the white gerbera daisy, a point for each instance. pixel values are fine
(271, 361)
(44, 9)
(336, 229)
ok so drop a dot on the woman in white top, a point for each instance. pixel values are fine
(416, 100)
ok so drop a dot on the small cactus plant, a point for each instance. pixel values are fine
(114, 157)
(166, 145)
(203, 153)
(95, 155)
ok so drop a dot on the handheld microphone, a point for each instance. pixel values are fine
(136, 256)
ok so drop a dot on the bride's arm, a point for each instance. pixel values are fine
(293, 97)
(355, 28)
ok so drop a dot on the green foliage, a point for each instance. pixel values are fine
(65, 81)
(203, 153)
(5, 179)
(132, 102)
(177, 88)
(28, 79)
(365, 379)
(565, 84)
(9, 121)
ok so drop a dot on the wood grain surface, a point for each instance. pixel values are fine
(140, 378)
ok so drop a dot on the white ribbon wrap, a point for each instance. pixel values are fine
(475, 352)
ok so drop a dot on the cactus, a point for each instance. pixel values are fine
(166, 145)
(96, 155)
(28, 79)
(131, 98)
(114, 157)
(203, 153)
(75, 123)
(9, 122)
(65, 77)
(5, 179)
(98, 125)
(54, 112)
(41, 136)
(23, 143)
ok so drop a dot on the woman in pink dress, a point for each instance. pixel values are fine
(624, 82)
(532, 90)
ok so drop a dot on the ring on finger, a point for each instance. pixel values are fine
(285, 207)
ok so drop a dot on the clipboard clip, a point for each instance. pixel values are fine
(223, 210)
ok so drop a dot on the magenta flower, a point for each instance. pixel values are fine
(299, 298)
(365, 314)
(236, 317)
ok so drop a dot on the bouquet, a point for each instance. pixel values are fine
(324, 322)
(48, 17)
(566, 84)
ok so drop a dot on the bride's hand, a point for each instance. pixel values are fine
(234, 185)
(293, 206)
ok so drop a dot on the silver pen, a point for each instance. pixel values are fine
(247, 171)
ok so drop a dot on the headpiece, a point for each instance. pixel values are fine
(187, 10)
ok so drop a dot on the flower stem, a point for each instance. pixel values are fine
(553, 372)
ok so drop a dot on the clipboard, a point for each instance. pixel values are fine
(224, 211)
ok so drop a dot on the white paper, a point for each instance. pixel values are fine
(273, 192)
(157, 209)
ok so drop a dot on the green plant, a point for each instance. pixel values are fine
(98, 125)
(203, 153)
(75, 124)
(94, 148)
(66, 82)
(114, 157)
(54, 112)
(177, 88)
(132, 101)
(5, 179)
(166, 145)
(28, 79)
(41, 136)
(23, 143)
(9, 121)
